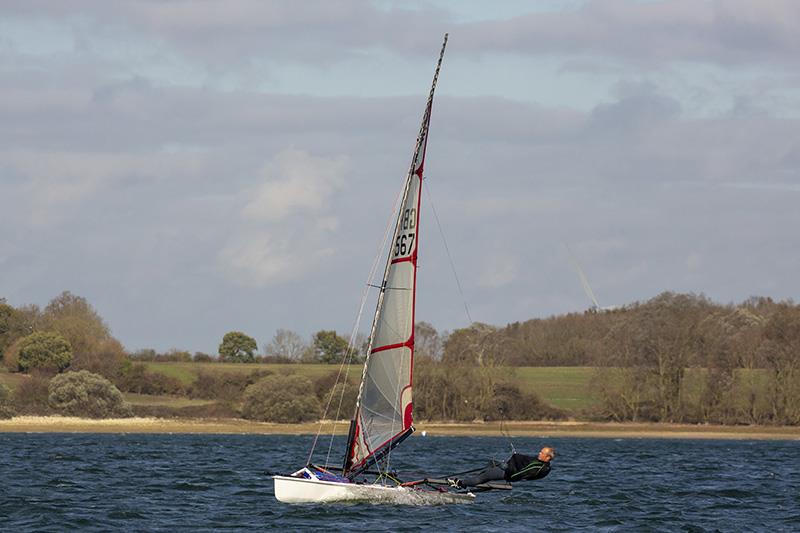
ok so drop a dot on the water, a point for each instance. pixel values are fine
(57, 482)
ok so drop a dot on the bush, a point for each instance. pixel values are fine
(509, 403)
(6, 410)
(87, 395)
(227, 387)
(145, 354)
(285, 399)
(136, 378)
(347, 394)
(174, 355)
(44, 350)
(31, 395)
(452, 392)
(275, 360)
(326, 388)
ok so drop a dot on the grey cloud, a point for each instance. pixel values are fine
(515, 183)
(234, 34)
(718, 31)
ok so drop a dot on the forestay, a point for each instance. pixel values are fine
(383, 415)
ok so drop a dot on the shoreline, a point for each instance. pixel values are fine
(58, 424)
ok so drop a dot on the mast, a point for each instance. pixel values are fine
(383, 414)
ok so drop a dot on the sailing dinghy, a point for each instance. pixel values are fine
(383, 415)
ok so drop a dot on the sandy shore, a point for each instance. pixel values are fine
(56, 424)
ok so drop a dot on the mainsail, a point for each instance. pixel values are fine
(383, 414)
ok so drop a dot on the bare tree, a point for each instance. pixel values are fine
(780, 350)
(286, 343)
(427, 342)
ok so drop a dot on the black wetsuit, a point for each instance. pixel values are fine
(518, 467)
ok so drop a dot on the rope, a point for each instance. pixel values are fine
(354, 332)
(446, 248)
(507, 435)
(504, 430)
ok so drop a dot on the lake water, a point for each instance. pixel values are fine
(101, 482)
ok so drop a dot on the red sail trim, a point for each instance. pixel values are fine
(408, 344)
(379, 448)
(414, 256)
(356, 436)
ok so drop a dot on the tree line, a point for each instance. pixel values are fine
(673, 358)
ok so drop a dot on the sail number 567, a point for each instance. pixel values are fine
(405, 241)
(403, 244)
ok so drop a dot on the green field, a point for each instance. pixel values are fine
(565, 387)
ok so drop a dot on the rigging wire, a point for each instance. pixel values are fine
(503, 427)
(446, 248)
(351, 349)
(505, 433)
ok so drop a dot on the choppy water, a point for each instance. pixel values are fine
(57, 482)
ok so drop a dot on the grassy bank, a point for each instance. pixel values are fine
(56, 424)
(563, 387)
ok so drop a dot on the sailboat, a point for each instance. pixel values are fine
(383, 414)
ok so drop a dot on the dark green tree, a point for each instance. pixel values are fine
(44, 350)
(330, 347)
(237, 347)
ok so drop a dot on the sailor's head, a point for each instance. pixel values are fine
(547, 454)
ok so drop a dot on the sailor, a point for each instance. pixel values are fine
(518, 467)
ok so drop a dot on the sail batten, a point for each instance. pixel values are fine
(383, 416)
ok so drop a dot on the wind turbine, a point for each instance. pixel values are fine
(585, 282)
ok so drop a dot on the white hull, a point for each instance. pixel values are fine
(301, 490)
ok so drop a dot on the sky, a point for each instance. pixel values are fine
(196, 167)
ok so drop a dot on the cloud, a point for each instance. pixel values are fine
(243, 34)
(237, 33)
(694, 261)
(499, 270)
(258, 259)
(297, 181)
(724, 32)
(285, 229)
